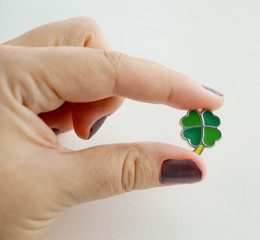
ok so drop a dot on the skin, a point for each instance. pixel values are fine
(64, 75)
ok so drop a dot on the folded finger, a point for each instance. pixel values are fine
(77, 32)
(88, 117)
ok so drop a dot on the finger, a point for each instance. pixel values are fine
(109, 170)
(78, 32)
(59, 119)
(87, 117)
(99, 74)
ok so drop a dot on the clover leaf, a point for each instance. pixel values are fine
(200, 129)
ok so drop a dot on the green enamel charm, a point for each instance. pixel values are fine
(200, 129)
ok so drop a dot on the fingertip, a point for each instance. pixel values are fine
(213, 90)
(96, 126)
(201, 164)
(175, 165)
(188, 94)
(216, 98)
(198, 160)
(88, 117)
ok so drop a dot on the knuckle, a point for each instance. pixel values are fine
(116, 61)
(86, 23)
(132, 168)
(115, 58)
(84, 19)
(85, 29)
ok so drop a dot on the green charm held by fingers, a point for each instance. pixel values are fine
(200, 129)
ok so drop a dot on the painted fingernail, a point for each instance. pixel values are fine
(213, 90)
(96, 126)
(180, 171)
(56, 131)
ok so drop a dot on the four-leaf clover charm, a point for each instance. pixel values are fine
(200, 129)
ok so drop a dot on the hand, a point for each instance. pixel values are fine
(64, 75)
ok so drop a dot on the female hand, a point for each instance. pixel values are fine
(64, 75)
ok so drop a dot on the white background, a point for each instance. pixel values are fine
(217, 43)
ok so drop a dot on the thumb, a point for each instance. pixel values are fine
(108, 170)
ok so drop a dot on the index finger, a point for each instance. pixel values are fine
(84, 75)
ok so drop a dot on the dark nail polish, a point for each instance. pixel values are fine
(180, 171)
(213, 90)
(96, 126)
(56, 131)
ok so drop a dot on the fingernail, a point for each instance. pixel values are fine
(56, 131)
(96, 126)
(180, 171)
(213, 90)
